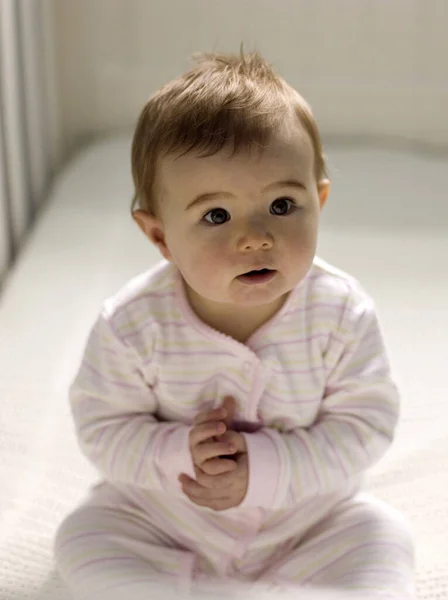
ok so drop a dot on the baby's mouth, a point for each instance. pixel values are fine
(257, 276)
(258, 272)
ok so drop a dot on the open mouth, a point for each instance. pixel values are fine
(257, 276)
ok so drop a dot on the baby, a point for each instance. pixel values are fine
(233, 396)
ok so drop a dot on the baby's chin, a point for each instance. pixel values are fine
(259, 299)
(233, 297)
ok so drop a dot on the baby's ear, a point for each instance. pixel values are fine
(152, 227)
(323, 188)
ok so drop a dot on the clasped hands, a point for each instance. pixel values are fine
(220, 460)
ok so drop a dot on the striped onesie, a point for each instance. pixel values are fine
(317, 406)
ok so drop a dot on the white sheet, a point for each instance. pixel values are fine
(85, 247)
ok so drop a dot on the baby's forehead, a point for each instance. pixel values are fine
(285, 156)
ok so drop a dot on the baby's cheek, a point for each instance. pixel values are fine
(212, 258)
(204, 264)
(303, 241)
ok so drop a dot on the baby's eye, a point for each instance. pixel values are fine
(217, 216)
(282, 206)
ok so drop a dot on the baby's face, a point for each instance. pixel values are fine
(222, 217)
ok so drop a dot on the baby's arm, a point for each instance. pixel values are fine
(114, 412)
(353, 430)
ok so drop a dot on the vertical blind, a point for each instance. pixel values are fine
(28, 121)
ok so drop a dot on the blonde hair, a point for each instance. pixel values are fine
(225, 100)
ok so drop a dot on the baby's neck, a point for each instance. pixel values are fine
(239, 323)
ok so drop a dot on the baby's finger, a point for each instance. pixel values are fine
(202, 433)
(236, 439)
(229, 405)
(219, 466)
(203, 452)
(193, 488)
(215, 482)
(218, 414)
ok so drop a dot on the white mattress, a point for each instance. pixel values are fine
(84, 248)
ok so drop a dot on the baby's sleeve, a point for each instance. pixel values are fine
(114, 411)
(354, 428)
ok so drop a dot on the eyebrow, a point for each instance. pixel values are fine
(208, 196)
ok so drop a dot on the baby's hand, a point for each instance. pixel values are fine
(219, 492)
(210, 441)
(221, 483)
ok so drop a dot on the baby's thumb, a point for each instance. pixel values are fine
(230, 405)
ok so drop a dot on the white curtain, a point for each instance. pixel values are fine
(28, 119)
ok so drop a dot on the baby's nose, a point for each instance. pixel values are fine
(256, 238)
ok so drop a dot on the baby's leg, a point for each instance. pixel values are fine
(363, 545)
(109, 549)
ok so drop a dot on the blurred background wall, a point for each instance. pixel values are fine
(368, 67)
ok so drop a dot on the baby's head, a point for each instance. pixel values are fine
(230, 178)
